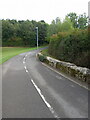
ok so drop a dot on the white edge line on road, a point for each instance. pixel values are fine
(64, 76)
(43, 98)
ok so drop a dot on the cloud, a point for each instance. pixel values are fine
(41, 9)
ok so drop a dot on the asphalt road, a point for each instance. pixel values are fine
(32, 90)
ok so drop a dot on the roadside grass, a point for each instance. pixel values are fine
(8, 52)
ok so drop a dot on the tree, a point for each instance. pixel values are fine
(82, 21)
(57, 26)
(22, 33)
(78, 21)
(54, 27)
(73, 17)
(42, 32)
(7, 31)
(67, 25)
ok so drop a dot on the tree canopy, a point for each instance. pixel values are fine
(22, 33)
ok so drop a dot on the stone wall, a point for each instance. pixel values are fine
(80, 73)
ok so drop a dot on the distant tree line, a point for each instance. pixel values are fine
(23, 33)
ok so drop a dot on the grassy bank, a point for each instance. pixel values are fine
(8, 52)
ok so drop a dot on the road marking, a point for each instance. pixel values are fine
(25, 67)
(65, 76)
(27, 71)
(26, 55)
(23, 62)
(43, 98)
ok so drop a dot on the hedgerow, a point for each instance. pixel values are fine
(71, 47)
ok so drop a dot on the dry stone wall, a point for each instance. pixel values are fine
(80, 73)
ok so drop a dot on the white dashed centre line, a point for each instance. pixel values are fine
(23, 62)
(41, 95)
(25, 67)
(26, 70)
(47, 104)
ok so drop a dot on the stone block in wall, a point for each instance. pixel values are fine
(80, 73)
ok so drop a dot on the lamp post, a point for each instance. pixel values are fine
(37, 36)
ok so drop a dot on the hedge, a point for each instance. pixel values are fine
(71, 47)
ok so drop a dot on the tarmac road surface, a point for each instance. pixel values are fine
(32, 90)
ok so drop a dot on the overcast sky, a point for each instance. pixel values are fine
(41, 9)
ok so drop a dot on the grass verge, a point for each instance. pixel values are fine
(8, 52)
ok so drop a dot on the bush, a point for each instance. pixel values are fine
(71, 47)
(42, 58)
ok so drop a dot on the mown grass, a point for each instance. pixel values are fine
(8, 52)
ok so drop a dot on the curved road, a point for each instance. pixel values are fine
(32, 90)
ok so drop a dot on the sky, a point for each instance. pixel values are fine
(46, 10)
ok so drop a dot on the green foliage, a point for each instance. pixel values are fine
(70, 39)
(42, 58)
(54, 27)
(73, 17)
(67, 25)
(82, 21)
(71, 22)
(9, 52)
(78, 21)
(23, 33)
(42, 32)
(71, 46)
(58, 26)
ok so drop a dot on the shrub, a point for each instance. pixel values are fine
(71, 47)
(42, 58)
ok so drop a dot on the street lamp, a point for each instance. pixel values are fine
(37, 36)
